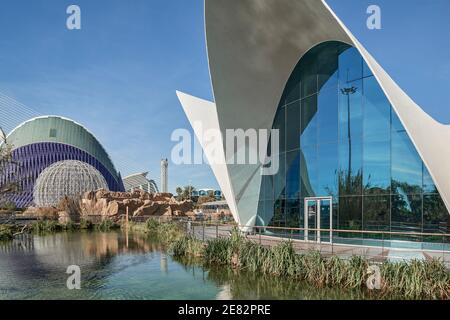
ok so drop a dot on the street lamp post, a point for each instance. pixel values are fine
(347, 92)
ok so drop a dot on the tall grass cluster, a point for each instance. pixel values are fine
(411, 280)
(168, 232)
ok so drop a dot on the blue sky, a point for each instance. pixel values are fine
(118, 75)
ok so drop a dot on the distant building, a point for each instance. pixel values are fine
(43, 141)
(164, 175)
(205, 192)
(214, 210)
(141, 182)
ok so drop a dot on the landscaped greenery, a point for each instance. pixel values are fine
(412, 280)
(6, 232)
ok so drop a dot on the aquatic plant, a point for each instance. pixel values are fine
(86, 224)
(46, 226)
(187, 246)
(106, 225)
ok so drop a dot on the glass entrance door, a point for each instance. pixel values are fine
(318, 219)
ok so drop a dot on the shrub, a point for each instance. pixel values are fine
(6, 232)
(106, 225)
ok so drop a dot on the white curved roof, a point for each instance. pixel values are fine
(98, 151)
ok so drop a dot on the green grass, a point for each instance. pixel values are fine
(167, 233)
(107, 225)
(187, 246)
(46, 226)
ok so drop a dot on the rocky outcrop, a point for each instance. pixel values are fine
(139, 203)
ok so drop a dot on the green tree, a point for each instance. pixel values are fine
(179, 192)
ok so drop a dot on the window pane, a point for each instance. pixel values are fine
(350, 213)
(292, 214)
(377, 166)
(377, 110)
(309, 121)
(309, 75)
(350, 111)
(350, 65)
(428, 183)
(435, 215)
(308, 171)
(327, 172)
(327, 117)
(279, 216)
(293, 126)
(292, 91)
(366, 70)
(406, 213)
(328, 67)
(406, 165)
(350, 168)
(267, 187)
(279, 179)
(377, 213)
(293, 175)
(280, 124)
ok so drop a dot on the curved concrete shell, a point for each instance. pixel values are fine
(40, 142)
(253, 46)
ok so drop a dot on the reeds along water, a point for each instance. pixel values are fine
(416, 279)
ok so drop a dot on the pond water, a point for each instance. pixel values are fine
(115, 265)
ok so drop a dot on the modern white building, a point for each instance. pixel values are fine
(356, 153)
(139, 181)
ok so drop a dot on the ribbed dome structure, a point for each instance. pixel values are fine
(66, 178)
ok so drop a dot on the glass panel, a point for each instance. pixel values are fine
(377, 214)
(350, 65)
(436, 218)
(428, 183)
(293, 175)
(312, 219)
(350, 168)
(308, 171)
(280, 124)
(350, 215)
(325, 211)
(279, 179)
(268, 213)
(350, 111)
(327, 173)
(292, 216)
(293, 126)
(327, 116)
(366, 70)
(406, 165)
(406, 215)
(267, 187)
(292, 91)
(327, 59)
(377, 166)
(309, 121)
(279, 217)
(396, 124)
(309, 75)
(377, 111)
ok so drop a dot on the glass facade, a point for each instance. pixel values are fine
(341, 138)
